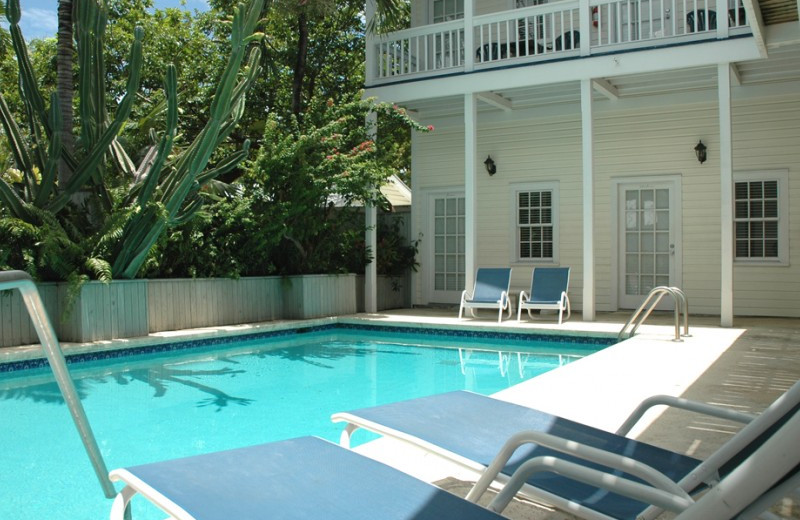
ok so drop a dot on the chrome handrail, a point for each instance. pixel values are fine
(681, 307)
(22, 281)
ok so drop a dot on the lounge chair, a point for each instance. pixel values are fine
(304, 478)
(549, 286)
(308, 478)
(492, 286)
(470, 429)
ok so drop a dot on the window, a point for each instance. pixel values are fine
(446, 10)
(760, 224)
(536, 222)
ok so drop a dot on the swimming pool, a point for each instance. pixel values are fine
(187, 398)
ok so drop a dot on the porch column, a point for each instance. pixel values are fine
(371, 237)
(587, 147)
(371, 63)
(469, 35)
(726, 195)
(470, 177)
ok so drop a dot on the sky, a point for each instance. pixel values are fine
(39, 18)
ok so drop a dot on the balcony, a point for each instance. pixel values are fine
(552, 31)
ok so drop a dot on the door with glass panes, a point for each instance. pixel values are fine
(447, 247)
(649, 240)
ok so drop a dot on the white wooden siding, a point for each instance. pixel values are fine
(185, 304)
(135, 308)
(421, 9)
(15, 324)
(629, 142)
(314, 296)
(769, 138)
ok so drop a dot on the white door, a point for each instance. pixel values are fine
(447, 247)
(649, 239)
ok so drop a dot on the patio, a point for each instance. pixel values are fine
(745, 367)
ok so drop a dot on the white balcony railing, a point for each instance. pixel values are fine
(546, 31)
(423, 49)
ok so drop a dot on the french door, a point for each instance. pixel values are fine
(649, 239)
(447, 247)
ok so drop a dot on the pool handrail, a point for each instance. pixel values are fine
(650, 303)
(22, 281)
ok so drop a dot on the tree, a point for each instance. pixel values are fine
(129, 215)
(313, 171)
(65, 89)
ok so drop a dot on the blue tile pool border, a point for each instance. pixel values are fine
(30, 364)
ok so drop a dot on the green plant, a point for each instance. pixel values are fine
(314, 171)
(111, 213)
(396, 255)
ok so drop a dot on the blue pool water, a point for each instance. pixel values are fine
(158, 406)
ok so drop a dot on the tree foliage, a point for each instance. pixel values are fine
(275, 214)
(114, 220)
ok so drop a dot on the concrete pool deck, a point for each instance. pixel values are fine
(745, 367)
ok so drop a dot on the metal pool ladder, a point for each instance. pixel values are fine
(653, 297)
(47, 337)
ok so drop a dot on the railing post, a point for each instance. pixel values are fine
(722, 19)
(469, 36)
(585, 23)
(371, 234)
(55, 357)
(371, 65)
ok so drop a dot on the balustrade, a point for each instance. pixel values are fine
(545, 31)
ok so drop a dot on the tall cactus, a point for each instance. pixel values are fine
(164, 188)
(183, 180)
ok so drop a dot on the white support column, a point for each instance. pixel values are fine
(371, 63)
(469, 36)
(585, 24)
(371, 236)
(726, 194)
(722, 20)
(470, 179)
(587, 139)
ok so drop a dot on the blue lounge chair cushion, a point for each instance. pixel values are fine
(490, 284)
(475, 427)
(547, 284)
(300, 479)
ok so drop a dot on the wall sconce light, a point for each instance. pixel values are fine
(491, 167)
(700, 151)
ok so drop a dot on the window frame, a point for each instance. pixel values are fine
(432, 15)
(782, 178)
(516, 189)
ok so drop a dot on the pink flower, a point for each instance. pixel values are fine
(430, 128)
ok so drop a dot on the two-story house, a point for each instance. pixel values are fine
(640, 142)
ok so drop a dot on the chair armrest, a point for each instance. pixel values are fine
(685, 404)
(630, 488)
(504, 296)
(523, 297)
(655, 478)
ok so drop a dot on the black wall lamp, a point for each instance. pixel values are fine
(700, 151)
(491, 167)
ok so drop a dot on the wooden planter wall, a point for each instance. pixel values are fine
(131, 308)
